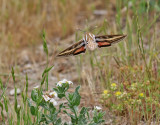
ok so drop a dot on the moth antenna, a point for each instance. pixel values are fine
(78, 29)
(93, 28)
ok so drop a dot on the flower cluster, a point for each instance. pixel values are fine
(106, 94)
(118, 94)
(127, 95)
(47, 100)
(64, 81)
(141, 95)
(49, 96)
(113, 86)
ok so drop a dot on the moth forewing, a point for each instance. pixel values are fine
(116, 39)
(70, 50)
(110, 38)
(66, 53)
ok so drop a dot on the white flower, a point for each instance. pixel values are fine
(60, 83)
(46, 98)
(36, 87)
(18, 106)
(70, 82)
(97, 108)
(64, 81)
(54, 94)
(54, 102)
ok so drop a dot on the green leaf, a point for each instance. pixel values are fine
(13, 76)
(45, 48)
(34, 95)
(61, 95)
(33, 110)
(29, 102)
(70, 96)
(60, 107)
(44, 105)
(61, 90)
(15, 99)
(71, 116)
(74, 98)
(82, 117)
(58, 122)
(5, 104)
(55, 89)
(43, 79)
(43, 118)
(1, 84)
(1, 105)
(65, 123)
(83, 111)
(52, 109)
(46, 70)
(98, 117)
(26, 84)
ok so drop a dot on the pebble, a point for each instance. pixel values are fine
(13, 91)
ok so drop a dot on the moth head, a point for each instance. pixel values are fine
(88, 37)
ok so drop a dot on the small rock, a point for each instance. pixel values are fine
(24, 57)
(100, 12)
(13, 91)
(28, 68)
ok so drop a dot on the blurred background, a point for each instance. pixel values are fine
(135, 59)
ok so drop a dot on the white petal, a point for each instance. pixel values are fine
(46, 98)
(18, 106)
(59, 83)
(64, 80)
(53, 101)
(70, 82)
(97, 107)
(53, 94)
(36, 87)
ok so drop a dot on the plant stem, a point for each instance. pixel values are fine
(74, 111)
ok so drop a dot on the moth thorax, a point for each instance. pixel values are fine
(89, 39)
(92, 45)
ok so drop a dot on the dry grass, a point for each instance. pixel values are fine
(21, 23)
(132, 64)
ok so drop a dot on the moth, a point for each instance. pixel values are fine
(91, 42)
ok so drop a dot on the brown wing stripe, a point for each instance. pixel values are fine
(80, 50)
(103, 44)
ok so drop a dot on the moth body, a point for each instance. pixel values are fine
(90, 41)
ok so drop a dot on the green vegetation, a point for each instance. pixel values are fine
(41, 107)
(126, 74)
(133, 64)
